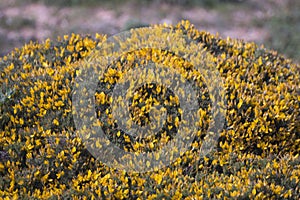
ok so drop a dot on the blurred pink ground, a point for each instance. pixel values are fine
(20, 23)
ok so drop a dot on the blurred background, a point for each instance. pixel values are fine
(274, 23)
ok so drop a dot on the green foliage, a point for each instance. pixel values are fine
(284, 31)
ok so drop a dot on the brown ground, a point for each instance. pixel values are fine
(21, 22)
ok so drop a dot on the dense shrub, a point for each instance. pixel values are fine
(41, 156)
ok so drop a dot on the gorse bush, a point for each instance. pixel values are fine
(256, 156)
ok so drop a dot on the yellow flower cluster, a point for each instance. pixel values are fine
(257, 155)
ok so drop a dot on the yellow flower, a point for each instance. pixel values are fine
(56, 122)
